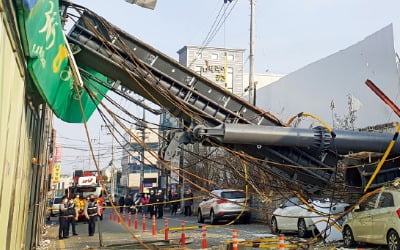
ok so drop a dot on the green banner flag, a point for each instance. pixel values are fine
(48, 64)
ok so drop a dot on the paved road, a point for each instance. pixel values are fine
(114, 233)
(115, 236)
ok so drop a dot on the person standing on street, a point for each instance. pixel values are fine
(152, 200)
(188, 196)
(174, 205)
(145, 201)
(160, 205)
(121, 203)
(72, 212)
(92, 210)
(128, 203)
(77, 201)
(63, 219)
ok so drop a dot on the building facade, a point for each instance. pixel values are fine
(65, 182)
(221, 65)
(131, 161)
(26, 144)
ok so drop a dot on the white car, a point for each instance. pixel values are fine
(223, 208)
(294, 216)
(54, 207)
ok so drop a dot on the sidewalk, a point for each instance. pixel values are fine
(50, 237)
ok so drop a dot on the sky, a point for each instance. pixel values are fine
(289, 35)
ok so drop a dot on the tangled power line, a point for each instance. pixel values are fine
(117, 125)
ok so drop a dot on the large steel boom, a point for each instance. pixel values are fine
(197, 100)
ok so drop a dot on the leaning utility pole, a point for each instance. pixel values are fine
(251, 56)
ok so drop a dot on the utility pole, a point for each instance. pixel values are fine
(251, 56)
(141, 187)
(98, 150)
(113, 182)
(181, 173)
(182, 178)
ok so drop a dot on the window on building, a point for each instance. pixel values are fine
(229, 79)
(214, 56)
(230, 58)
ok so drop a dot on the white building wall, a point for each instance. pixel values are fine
(314, 88)
(261, 80)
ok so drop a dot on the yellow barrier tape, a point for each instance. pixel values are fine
(265, 245)
(159, 203)
(152, 204)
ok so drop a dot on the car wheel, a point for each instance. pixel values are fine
(348, 237)
(274, 226)
(393, 240)
(302, 228)
(212, 217)
(245, 219)
(200, 218)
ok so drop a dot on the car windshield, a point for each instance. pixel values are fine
(233, 195)
(57, 200)
(293, 201)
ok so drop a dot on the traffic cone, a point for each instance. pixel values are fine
(203, 237)
(111, 216)
(136, 223)
(183, 237)
(130, 220)
(144, 223)
(235, 239)
(115, 216)
(153, 226)
(281, 241)
(166, 229)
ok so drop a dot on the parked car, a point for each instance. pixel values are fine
(376, 220)
(224, 204)
(54, 206)
(294, 216)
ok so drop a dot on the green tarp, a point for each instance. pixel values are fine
(44, 45)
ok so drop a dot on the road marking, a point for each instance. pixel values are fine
(61, 244)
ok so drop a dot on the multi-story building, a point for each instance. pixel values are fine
(221, 65)
(132, 161)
